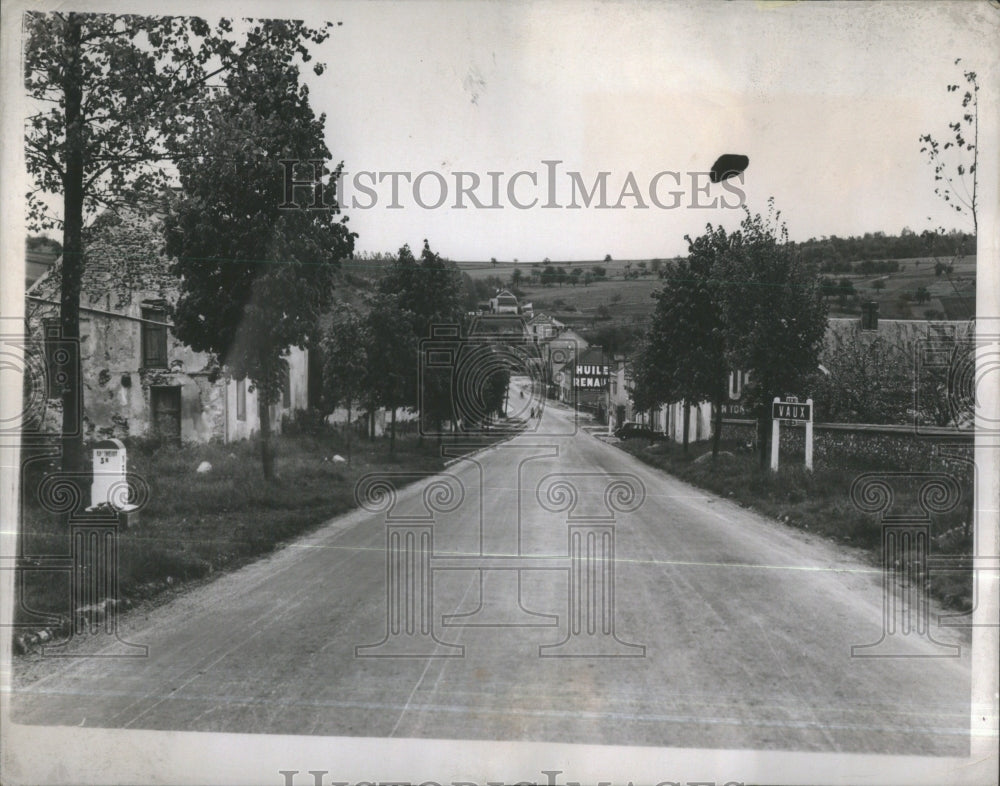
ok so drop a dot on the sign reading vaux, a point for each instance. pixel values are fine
(791, 410)
(590, 377)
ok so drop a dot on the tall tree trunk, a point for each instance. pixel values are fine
(72, 252)
(687, 424)
(763, 437)
(348, 433)
(266, 452)
(717, 436)
(392, 432)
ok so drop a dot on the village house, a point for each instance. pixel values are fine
(138, 378)
(588, 379)
(666, 419)
(559, 355)
(542, 327)
(503, 302)
(907, 335)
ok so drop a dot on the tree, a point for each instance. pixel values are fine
(391, 351)
(574, 276)
(878, 284)
(431, 290)
(515, 277)
(493, 261)
(684, 357)
(869, 380)
(957, 176)
(922, 295)
(346, 369)
(43, 245)
(254, 278)
(943, 267)
(607, 258)
(117, 96)
(828, 287)
(485, 399)
(775, 316)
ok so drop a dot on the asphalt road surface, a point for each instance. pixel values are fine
(717, 627)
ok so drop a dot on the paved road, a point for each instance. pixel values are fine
(743, 628)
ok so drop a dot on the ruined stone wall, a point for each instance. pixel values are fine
(125, 271)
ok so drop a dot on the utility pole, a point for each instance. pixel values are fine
(608, 385)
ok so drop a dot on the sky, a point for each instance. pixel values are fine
(827, 101)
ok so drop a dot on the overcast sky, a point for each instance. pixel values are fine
(827, 100)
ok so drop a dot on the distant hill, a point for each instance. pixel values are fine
(621, 300)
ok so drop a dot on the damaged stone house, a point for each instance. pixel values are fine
(138, 378)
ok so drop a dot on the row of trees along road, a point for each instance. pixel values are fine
(375, 359)
(739, 300)
(123, 103)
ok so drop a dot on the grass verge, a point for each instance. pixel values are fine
(820, 501)
(197, 524)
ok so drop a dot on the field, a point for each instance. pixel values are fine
(952, 297)
(628, 300)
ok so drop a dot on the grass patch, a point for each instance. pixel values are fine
(820, 501)
(197, 524)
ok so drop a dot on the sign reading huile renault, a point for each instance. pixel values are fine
(590, 377)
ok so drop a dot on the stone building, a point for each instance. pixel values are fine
(138, 378)
(666, 419)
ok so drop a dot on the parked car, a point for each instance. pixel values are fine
(628, 430)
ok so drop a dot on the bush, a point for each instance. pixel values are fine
(305, 421)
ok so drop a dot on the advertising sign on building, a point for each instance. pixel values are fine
(736, 406)
(590, 376)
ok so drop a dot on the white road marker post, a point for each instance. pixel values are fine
(775, 438)
(608, 370)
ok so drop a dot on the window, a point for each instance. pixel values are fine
(241, 399)
(154, 337)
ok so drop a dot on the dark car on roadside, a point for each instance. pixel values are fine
(630, 430)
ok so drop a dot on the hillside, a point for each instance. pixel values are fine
(628, 300)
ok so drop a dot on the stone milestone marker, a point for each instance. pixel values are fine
(109, 485)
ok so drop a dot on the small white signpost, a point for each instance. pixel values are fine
(110, 468)
(792, 411)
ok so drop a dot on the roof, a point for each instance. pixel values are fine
(124, 266)
(492, 325)
(594, 356)
(37, 263)
(541, 318)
